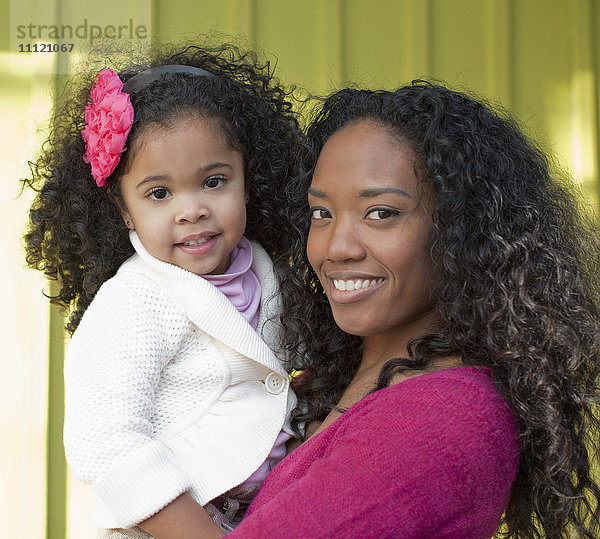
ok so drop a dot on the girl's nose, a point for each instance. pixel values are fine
(345, 243)
(191, 209)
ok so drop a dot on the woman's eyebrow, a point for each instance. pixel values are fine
(376, 191)
(315, 193)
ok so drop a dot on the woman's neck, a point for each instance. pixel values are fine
(379, 349)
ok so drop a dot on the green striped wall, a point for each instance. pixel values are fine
(540, 58)
(537, 57)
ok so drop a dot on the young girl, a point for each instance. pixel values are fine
(158, 205)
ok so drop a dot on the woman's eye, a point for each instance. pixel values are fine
(379, 214)
(320, 213)
(215, 181)
(159, 193)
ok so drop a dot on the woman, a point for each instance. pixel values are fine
(447, 315)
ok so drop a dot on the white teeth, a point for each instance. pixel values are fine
(355, 284)
(195, 243)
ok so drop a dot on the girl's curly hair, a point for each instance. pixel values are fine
(516, 284)
(76, 234)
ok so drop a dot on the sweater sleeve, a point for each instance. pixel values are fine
(429, 457)
(112, 368)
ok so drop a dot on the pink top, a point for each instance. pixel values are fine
(241, 286)
(432, 456)
(239, 283)
(274, 457)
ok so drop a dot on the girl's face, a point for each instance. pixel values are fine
(184, 195)
(370, 236)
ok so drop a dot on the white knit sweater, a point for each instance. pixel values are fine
(169, 389)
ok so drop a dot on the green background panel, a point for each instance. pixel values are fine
(539, 58)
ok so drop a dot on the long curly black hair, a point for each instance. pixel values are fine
(76, 234)
(516, 284)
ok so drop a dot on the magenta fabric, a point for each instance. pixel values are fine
(433, 456)
(239, 283)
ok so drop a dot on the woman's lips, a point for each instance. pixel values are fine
(355, 284)
(351, 290)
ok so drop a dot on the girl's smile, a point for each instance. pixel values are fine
(184, 195)
(199, 244)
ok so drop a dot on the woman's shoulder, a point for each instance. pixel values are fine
(452, 427)
(461, 405)
(445, 387)
(432, 456)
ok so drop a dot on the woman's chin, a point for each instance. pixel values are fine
(352, 326)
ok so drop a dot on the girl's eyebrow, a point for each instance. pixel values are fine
(201, 170)
(212, 166)
(376, 191)
(157, 178)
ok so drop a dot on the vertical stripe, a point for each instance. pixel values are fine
(498, 46)
(56, 466)
(595, 53)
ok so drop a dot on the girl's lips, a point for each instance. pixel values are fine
(351, 290)
(191, 246)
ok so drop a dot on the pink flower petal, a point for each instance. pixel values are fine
(109, 118)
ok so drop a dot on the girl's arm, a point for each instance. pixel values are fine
(183, 518)
(113, 366)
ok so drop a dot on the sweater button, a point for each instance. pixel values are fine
(275, 383)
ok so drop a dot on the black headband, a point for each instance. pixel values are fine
(142, 79)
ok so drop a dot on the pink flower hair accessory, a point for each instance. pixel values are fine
(108, 118)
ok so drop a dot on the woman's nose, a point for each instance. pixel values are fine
(345, 242)
(191, 209)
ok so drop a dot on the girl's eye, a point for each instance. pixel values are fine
(159, 193)
(215, 181)
(379, 214)
(320, 213)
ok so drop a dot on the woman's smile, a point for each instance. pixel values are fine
(348, 289)
(370, 235)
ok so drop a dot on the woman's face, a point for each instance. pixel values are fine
(370, 235)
